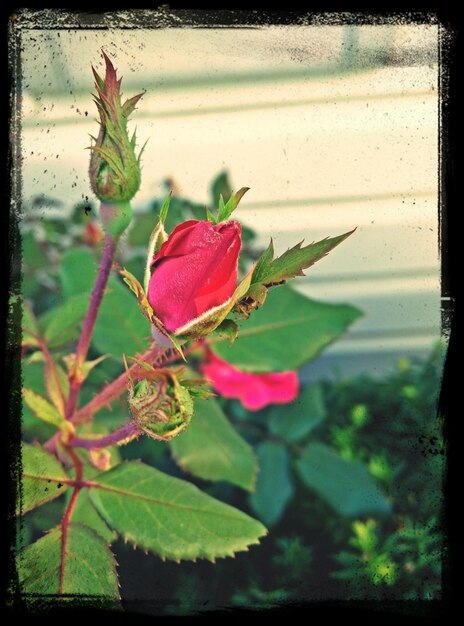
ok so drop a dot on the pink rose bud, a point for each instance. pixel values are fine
(194, 271)
(255, 391)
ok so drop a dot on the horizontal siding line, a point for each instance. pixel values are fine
(324, 200)
(391, 333)
(178, 82)
(360, 349)
(29, 122)
(421, 272)
(258, 106)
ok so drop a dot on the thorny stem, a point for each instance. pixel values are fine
(153, 356)
(78, 467)
(128, 431)
(117, 387)
(106, 395)
(96, 297)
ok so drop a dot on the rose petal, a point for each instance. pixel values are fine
(255, 391)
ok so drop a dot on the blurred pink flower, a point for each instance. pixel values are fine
(255, 391)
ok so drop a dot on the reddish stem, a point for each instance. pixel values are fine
(118, 386)
(68, 514)
(129, 430)
(96, 297)
(115, 389)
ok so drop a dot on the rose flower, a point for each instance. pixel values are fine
(194, 271)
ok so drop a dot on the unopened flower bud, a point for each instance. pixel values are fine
(161, 409)
(114, 167)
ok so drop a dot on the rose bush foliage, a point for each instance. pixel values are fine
(203, 286)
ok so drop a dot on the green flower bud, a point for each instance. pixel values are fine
(114, 167)
(161, 408)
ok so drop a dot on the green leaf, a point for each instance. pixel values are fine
(263, 263)
(78, 269)
(32, 253)
(346, 485)
(295, 421)
(120, 327)
(62, 323)
(227, 329)
(226, 210)
(85, 512)
(274, 487)
(165, 208)
(210, 216)
(287, 333)
(33, 378)
(29, 326)
(211, 448)
(170, 516)
(42, 478)
(292, 262)
(42, 408)
(89, 568)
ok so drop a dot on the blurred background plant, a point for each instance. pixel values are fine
(350, 473)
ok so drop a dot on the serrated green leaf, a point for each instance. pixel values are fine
(62, 323)
(287, 333)
(42, 478)
(169, 516)
(226, 210)
(295, 421)
(211, 448)
(42, 408)
(78, 269)
(292, 262)
(274, 487)
(346, 485)
(89, 568)
(263, 263)
(120, 327)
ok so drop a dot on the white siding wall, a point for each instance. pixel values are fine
(321, 153)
